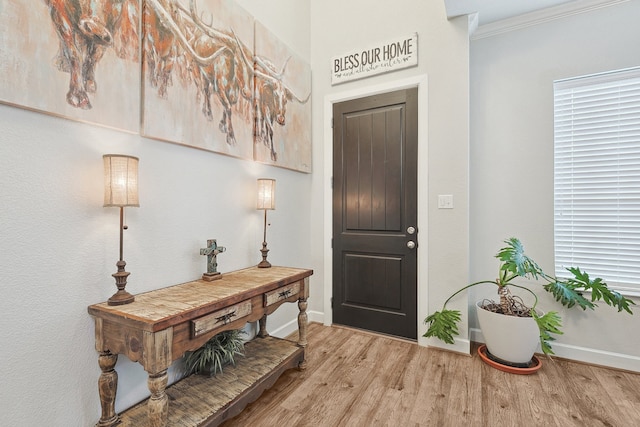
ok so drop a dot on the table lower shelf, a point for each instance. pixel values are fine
(204, 401)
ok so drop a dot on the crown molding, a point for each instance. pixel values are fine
(473, 20)
(540, 17)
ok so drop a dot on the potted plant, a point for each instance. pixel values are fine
(218, 351)
(510, 312)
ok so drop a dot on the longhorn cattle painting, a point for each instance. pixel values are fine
(201, 73)
(282, 108)
(207, 86)
(73, 58)
(197, 74)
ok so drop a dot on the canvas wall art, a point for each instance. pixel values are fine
(197, 75)
(201, 73)
(73, 58)
(282, 104)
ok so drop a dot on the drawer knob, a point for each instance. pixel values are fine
(285, 294)
(225, 318)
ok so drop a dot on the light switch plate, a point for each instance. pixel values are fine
(445, 201)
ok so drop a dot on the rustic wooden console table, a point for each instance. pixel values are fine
(161, 325)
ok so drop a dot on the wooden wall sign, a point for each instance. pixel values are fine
(381, 58)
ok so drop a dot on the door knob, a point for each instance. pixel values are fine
(411, 244)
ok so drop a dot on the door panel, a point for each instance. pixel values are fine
(372, 281)
(374, 202)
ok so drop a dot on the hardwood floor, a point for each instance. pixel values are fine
(359, 379)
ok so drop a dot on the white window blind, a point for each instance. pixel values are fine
(597, 177)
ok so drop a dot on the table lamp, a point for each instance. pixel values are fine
(120, 190)
(266, 201)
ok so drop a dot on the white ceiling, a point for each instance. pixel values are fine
(496, 10)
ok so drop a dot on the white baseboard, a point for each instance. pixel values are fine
(460, 345)
(316, 316)
(597, 357)
(292, 326)
(584, 354)
(476, 335)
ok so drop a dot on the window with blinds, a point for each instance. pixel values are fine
(597, 177)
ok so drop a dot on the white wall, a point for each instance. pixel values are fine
(338, 27)
(59, 246)
(512, 155)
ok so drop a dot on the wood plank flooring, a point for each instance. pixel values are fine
(359, 379)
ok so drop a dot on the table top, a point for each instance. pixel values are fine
(161, 308)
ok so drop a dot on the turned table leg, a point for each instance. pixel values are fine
(262, 333)
(107, 387)
(302, 329)
(158, 405)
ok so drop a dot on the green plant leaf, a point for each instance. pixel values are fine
(599, 290)
(217, 352)
(566, 294)
(443, 325)
(515, 261)
(548, 324)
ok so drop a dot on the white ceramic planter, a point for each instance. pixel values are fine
(510, 338)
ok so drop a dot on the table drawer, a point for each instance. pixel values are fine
(281, 294)
(219, 318)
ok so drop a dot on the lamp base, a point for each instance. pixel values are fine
(121, 298)
(264, 263)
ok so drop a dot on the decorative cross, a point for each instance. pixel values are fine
(211, 251)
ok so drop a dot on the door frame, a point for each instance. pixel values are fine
(419, 81)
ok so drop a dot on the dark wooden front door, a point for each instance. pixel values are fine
(375, 147)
